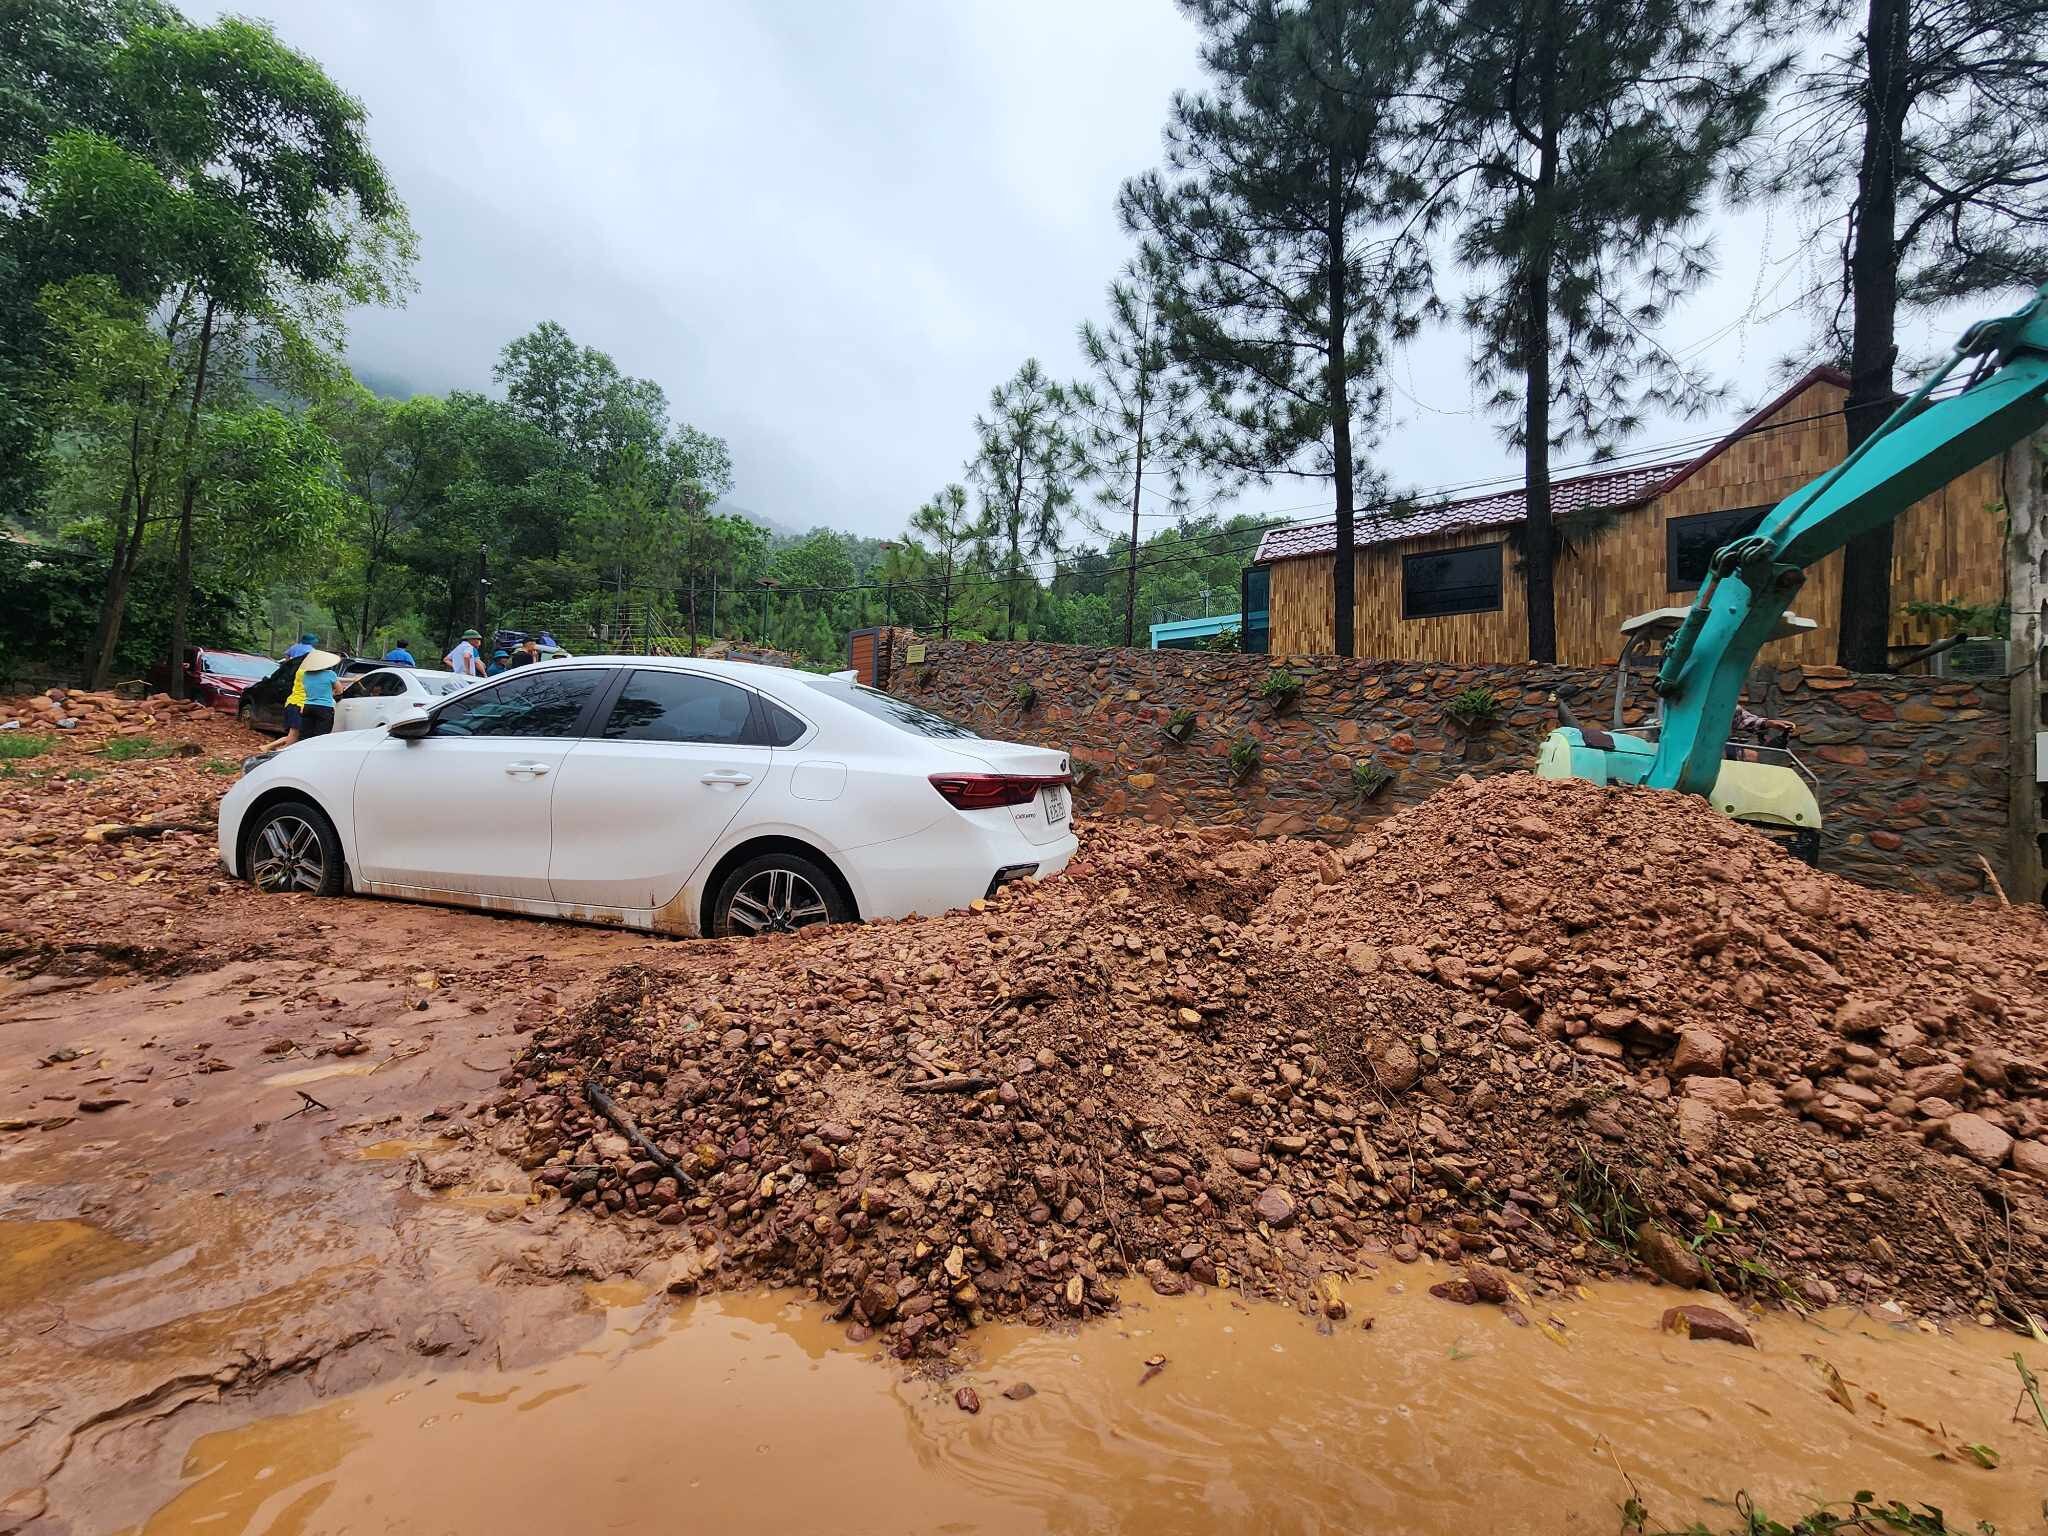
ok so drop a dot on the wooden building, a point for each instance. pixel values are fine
(1442, 585)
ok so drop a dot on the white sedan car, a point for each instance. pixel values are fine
(679, 796)
(392, 693)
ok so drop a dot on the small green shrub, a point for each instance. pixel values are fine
(1025, 695)
(1244, 756)
(1475, 708)
(81, 775)
(16, 745)
(1279, 687)
(1370, 777)
(1224, 641)
(1180, 725)
(129, 749)
(1964, 618)
(222, 766)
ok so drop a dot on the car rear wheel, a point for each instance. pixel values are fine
(776, 893)
(292, 848)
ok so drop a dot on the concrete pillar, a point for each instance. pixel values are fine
(2026, 502)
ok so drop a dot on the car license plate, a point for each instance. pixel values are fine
(1055, 801)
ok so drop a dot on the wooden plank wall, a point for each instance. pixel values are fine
(1946, 547)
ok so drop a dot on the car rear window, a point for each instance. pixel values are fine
(441, 687)
(904, 716)
(237, 666)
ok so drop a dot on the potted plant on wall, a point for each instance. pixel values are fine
(1369, 777)
(1475, 710)
(1244, 758)
(1024, 696)
(1180, 725)
(1279, 688)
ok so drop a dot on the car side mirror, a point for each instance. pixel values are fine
(413, 727)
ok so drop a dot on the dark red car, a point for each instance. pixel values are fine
(217, 678)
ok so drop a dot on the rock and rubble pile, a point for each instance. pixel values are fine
(1544, 1028)
(75, 883)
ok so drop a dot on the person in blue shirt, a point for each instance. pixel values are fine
(306, 643)
(317, 674)
(399, 654)
(500, 660)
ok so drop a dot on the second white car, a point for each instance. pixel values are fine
(393, 693)
(675, 795)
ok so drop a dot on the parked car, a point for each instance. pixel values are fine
(682, 796)
(215, 678)
(391, 693)
(261, 706)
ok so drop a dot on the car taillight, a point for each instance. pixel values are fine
(986, 791)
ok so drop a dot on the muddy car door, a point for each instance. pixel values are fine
(640, 803)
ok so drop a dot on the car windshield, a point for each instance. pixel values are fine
(223, 665)
(905, 717)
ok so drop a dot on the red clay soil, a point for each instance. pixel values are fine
(1543, 1027)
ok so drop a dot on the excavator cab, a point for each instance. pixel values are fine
(1761, 783)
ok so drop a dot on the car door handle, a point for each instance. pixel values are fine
(536, 769)
(727, 776)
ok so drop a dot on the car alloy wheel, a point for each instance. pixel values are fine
(776, 901)
(288, 856)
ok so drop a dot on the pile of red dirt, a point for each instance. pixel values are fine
(106, 825)
(1547, 1027)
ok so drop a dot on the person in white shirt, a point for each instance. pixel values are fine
(464, 660)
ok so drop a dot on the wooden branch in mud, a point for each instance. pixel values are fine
(959, 1082)
(150, 829)
(601, 1101)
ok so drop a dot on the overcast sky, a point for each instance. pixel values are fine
(827, 229)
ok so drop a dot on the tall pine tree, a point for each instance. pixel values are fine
(1922, 139)
(944, 527)
(1137, 410)
(1585, 140)
(1273, 217)
(1024, 469)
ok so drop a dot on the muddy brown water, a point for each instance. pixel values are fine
(753, 1413)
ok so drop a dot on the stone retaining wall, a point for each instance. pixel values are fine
(1912, 770)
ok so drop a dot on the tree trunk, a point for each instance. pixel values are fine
(181, 580)
(1131, 563)
(1864, 641)
(1539, 535)
(1016, 548)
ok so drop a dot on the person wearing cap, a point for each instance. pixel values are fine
(527, 654)
(500, 660)
(464, 660)
(306, 643)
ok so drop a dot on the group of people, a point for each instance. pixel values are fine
(466, 659)
(309, 707)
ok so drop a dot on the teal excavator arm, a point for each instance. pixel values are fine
(1923, 445)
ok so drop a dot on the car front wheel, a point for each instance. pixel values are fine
(776, 893)
(292, 848)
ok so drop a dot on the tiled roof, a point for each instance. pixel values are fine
(1610, 491)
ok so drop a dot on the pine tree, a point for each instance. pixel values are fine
(950, 534)
(1137, 413)
(1585, 139)
(1922, 140)
(1272, 218)
(1024, 470)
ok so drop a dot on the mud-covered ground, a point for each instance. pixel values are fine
(255, 1150)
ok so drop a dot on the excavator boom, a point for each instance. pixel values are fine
(1920, 448)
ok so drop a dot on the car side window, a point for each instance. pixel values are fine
(542, 702)
(680, 706)
(783, 728)
(379, 685)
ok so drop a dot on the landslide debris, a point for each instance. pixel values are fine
(78, 890)
(1547, 1026)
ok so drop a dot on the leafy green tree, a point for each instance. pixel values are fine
(1137, 412)
(1921, 141)
(395, 462)
(250, 208)
(1585, 139)
(1271, 219)
(1024, 469)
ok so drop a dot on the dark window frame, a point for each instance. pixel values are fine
(1499, 550)
(1734, 517)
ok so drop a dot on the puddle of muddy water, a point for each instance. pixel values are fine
(41, 1259)
(752, 1413)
